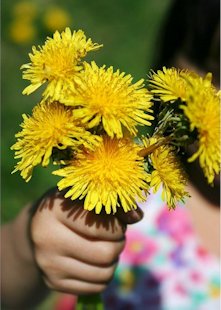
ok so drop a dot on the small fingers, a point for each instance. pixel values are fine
(76, 287)
(69, 268)
(100, 253)
(65, 242)
(92, 226)
(95, 226)
(72, 214)
(130, 217)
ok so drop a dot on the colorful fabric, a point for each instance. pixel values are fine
(164, 265)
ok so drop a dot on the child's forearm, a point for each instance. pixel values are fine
(21, 282)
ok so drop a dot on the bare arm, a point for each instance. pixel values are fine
(21, 281)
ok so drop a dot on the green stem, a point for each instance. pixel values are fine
(90, 302)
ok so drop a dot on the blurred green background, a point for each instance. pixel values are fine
(128, 30)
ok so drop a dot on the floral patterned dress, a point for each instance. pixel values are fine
(164, 265)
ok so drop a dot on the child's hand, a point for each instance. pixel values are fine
(77, 250)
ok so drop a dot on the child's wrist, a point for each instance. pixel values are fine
(21, 237)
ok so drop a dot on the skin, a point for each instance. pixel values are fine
(205, 217)
(57, 245)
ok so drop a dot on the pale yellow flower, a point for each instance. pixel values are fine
(108, 177)
(57, 62)
(52, 125)
(109, 98)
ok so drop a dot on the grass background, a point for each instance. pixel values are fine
(128, 29)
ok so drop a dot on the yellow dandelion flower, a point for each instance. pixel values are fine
(56, 62)
(203, 111)
(169, 84)
(52, 125)
(56, 18)
(168, 174)
(197, 82)
(108, 177)
(22, 32)
(108, 97)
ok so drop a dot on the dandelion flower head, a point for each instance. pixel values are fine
(109, 98)
(56, 62)
(52, 125)
(203, 111)
(111, 176)
(167, 173)
(169, 84)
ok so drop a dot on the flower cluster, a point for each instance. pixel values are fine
(87, 124)
(199, 101)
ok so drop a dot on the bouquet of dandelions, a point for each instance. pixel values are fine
(87, 124)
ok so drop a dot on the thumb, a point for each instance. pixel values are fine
(130, 217)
